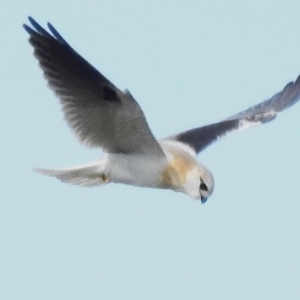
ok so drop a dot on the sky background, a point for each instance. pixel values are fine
(188, 63)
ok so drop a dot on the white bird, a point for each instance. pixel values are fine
(105, 117)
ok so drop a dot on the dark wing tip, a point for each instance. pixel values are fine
(56, 33)
(38, 29)
(289, 95)
(29, 30)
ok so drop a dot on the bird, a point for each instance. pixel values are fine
(105, 117)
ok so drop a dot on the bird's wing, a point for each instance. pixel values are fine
(266, 111)
(99, 113)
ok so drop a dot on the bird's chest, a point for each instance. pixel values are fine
(136, 170)
(176, 174)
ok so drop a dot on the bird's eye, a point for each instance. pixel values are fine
(203, 187)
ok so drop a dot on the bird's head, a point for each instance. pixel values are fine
(206, 186)
(184, 173)
(199, 183)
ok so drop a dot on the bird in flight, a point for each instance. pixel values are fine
(105, 117)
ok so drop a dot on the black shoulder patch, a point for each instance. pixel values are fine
(109, 94)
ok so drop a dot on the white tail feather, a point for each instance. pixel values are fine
(88, 175)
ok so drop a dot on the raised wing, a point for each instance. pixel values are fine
(100, 114)
(266, 111)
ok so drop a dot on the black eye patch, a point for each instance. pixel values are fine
(203, 187)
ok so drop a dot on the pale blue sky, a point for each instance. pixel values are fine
(190, 63)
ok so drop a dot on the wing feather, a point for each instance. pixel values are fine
(266, 111)
(98, 112)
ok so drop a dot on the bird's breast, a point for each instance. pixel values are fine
(175, 173)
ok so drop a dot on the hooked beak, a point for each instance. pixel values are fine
(203, 199)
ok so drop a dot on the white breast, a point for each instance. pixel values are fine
(182, 162)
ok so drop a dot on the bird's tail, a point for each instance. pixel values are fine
(87, 175)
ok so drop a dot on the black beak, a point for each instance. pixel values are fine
(203, 199)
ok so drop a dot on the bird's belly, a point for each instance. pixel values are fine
(136, 170)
